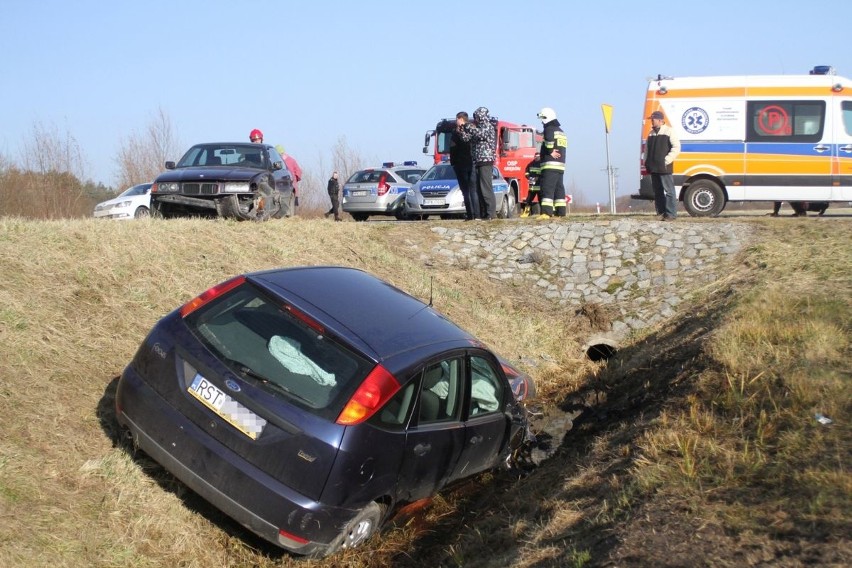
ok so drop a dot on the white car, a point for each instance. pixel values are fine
(133, 203)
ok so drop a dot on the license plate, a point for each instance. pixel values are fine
(433, 202)
(360, 193)
(226, 407)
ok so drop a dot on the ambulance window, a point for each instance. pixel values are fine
(785, 121)
(847, 117)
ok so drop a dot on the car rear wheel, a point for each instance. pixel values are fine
(142, 212)
(365, 524)
(359, 216)
(704, 198)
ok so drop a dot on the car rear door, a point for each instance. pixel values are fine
(436, 435)
(486, 431)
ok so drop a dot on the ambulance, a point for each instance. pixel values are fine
(755, 138)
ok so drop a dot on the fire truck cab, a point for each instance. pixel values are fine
(516, 148)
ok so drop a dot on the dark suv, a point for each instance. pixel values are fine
(241, 181)
(311, 403)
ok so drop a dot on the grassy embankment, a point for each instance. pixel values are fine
(698, 446)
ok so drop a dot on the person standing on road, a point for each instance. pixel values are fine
(462, 162)
(334, 195)
(533, 173)
(295, 175)
(553, 150)
(661, 149)
(483, 138)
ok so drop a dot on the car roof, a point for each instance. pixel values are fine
(357, 304)
(393, 168)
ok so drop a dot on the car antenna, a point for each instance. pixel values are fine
(431, 279)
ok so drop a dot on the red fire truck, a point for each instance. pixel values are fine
(516, 148)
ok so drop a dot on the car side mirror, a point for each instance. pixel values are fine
(425, 149)
(277, 166)
(170, 165)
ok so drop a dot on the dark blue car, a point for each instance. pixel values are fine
(242, 181)
(309, 404)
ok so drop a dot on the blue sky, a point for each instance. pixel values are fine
(382, 73)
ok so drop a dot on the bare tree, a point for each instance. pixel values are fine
(142, 155)
(313, 197)
(48, 150)
(48, 184)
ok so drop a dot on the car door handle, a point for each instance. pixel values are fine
(821, 148)
(847, 148)
(476, 439)
(422, 449)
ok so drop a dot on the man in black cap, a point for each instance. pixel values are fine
(661, 149)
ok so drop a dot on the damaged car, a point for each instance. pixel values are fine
(312, 403)
(243, 181)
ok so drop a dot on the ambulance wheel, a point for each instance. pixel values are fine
(704, 198)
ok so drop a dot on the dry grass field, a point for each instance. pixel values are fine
(697, 444)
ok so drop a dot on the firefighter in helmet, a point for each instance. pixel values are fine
(533, 173)
(553, 148)
(256, 136)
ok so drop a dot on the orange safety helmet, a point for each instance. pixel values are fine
(256, 135)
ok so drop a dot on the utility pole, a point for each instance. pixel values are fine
(610, 173)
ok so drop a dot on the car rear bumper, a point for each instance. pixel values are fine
(259, 502)
(381, 206)
(646, 191)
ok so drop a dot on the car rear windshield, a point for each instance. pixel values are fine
(261, 340)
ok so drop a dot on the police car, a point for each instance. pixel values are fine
(438, 193)
(380, 191)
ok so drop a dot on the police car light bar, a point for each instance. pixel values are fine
(822, 70)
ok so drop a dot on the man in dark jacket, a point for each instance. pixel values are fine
(661, 149)
(462, 162)
(554, 145)
(483, 138)
(334, 195)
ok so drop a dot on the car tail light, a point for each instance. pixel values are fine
(376, 389)
(210, 294)
(384, 186)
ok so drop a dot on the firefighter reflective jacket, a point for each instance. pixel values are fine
(554, 139)
(533, 173)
